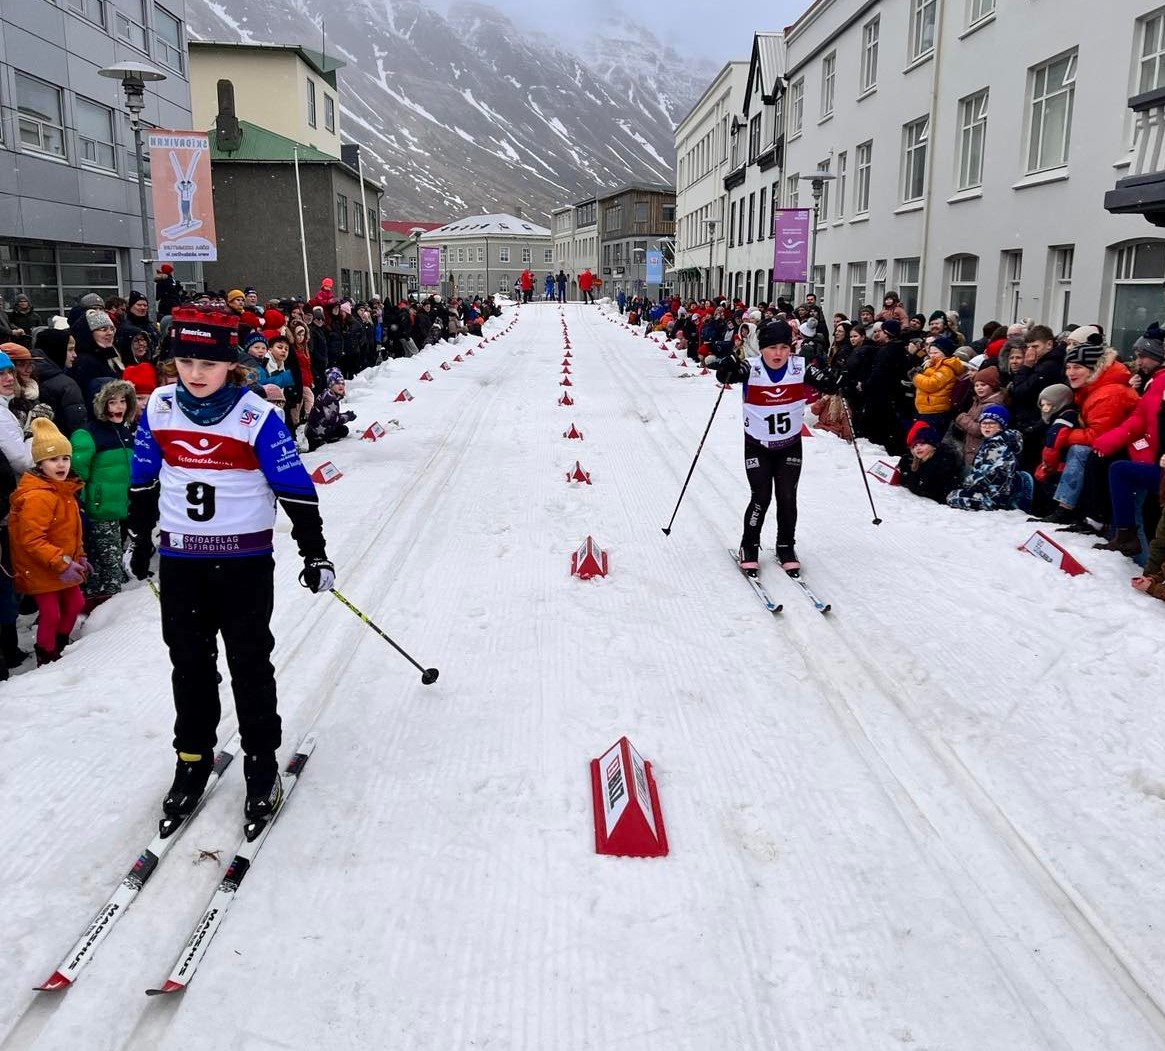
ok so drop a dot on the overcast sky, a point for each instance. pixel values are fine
(717, 30)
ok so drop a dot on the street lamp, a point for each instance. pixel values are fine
(415, 233)
(817, 183)
(711, 224)
(133, 77)
(639, 253)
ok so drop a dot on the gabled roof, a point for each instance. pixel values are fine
(768, 63)
(499, 224)
(259, 144)
(405, 226)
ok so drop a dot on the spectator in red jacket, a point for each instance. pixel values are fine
(1131, 480)
(586, 281)
(527, 282)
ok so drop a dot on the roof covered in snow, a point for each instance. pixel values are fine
(501, 224)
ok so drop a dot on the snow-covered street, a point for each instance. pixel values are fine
(933, 819)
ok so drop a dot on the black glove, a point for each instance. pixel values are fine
(349, 416)
(318, 575)
(136, 560)
(726, 371)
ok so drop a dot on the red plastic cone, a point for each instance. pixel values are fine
(566, 382)
(458, 357)
(566, 368)
(404, 395)
(574, 432)
(578, 474)
(566, 399)
(446, 366)
(589, 560)
(427, 376)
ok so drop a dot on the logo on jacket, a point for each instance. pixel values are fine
(248, 417)
(165, 402)
(770, 395)
(204, 448)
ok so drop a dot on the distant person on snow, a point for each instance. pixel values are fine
(586, 281)
(560, 279)
(548, 295)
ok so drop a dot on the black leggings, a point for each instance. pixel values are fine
(772, 470)
(201, 599)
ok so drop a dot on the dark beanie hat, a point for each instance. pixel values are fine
(773, 333)
(922, 432)
(1152, 343)
(938, 315)
(211, 335)
(134, 297)
(1087, 354)
(892, 327)
(946, 344)
(54, 343)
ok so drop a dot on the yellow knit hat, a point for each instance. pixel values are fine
(235, 293)
(47, 441)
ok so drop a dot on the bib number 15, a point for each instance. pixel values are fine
(779, 422)
(200, 498)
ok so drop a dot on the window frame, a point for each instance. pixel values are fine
(503, 253)
(341, 211)
(165, 46)
(1157, 56)
(82, 8)
(839, 201)
(357, 220)
(979, 11)
(915, 141)
(31, 117)
(79, 102)
(797, 107)
(312, 115)
(1037, 109)
(923, 16)
(863, 176)
(973, 112)
(868, 73)
(828, 84)
(120, 17)
(329, 113)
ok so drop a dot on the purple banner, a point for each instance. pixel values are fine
(431, 266)
(791, 244)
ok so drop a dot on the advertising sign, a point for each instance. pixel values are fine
(183, 209)
(654, 266)
(791, 244)
(430, 266)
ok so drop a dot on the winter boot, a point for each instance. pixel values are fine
(787, 556)
(62, 642)
(1127, 541)
(1059, 515)
(749, 557)
(190, 777)
(10, 653)
(264, 786)
(44, 656)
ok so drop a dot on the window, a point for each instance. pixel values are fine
(869, 67)
(94, 133)
(797, 107)
(878, 291)
(311, 102)
(132, 30)
(1063, 259)
(774, 203)
(461, 255)
(345, 282)
(914, 136)
(357, 220)
(329, 113)
(828, 83)
(1012, 279)
(823, 211)
(753, 138)
(751, 215)
(842, 161)
(857, 287)
(1140, 270)
(481, 253)
(504, 255)
(818, 279)
(526, 256)
(977, 10)
(864, 162)
(792, 190)
(921, 28)
(548, 255)
(168, 33)
(612, 217)
(39, 120)
(906, 281)
(372, 224)
(641, 211)
(91, 10)
(732, 227)
(962, 274)
(761, 232)
(1151, 64)
(740, 229)
(341, 211)
(972, 135)
(1052, 92)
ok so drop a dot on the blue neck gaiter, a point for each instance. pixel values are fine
(212, 409)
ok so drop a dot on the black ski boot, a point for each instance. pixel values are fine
(264, 786)
(787, 556)
(13, 655)
(190, 777)
(749, 558)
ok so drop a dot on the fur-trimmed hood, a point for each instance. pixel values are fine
(116, 389)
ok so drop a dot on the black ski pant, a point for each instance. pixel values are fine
(769, 471)
(203, 598)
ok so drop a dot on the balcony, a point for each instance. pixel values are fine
(1142, 192)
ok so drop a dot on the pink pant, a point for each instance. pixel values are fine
(59, 611)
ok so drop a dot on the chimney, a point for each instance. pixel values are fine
(350, 154)
(228, 136)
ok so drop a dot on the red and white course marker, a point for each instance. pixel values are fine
(404, 395)
(326, 473)
(628, 819)
(885, 472)
(374, 432)
(1044, 547)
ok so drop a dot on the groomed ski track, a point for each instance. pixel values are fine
(932, 820)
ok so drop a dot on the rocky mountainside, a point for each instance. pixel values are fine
(468, 113)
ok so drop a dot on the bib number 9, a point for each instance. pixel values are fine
(779, 422)
(200, 497)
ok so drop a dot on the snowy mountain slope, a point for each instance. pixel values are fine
(468, 113)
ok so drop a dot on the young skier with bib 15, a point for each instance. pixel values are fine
(776, 385)
(211, 458)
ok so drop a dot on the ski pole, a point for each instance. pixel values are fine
(861, 466)
(667, 528)
(428, 675)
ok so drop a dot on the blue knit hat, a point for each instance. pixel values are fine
(6, 362)
(333, 375)
(946, 344)
(997, 413)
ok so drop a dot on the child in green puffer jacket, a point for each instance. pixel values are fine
(102, 454)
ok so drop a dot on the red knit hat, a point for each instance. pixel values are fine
(143, 376)
(922, 432)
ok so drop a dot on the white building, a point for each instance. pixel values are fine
(702, 162)
(576, 241)
(483, 254)
(972, 143)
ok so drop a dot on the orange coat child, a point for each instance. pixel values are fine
(48, 559)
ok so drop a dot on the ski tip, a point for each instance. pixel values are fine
(56, 982)
(171, 986)
(824, 609)
(776, 609)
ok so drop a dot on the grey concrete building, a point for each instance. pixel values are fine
(632, 220)
(483, 254)
(69, 214)
(576, 241)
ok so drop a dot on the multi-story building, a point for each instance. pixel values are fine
(398, 242)
(702, 163)
(483, 254)
(265, 180)
(971, 144)
(70, 221)
(633, 219)
(753, 179)
(576, 240)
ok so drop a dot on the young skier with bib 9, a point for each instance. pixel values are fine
(211, 458)
(776, 385)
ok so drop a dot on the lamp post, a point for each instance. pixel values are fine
(711, 224)
(639, 253)
(133, 77)
(817, 183)
(415, 233)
